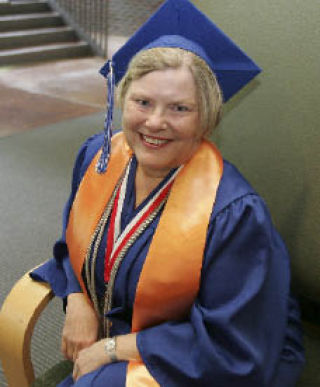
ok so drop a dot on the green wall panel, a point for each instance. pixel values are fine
(270, 129)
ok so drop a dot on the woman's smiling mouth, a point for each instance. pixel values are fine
(153, 141)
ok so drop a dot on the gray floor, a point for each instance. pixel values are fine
(35, 170)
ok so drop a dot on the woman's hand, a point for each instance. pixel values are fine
(80, 327)
(89, 359)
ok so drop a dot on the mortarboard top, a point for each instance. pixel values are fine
(195, 32)
(178, 23)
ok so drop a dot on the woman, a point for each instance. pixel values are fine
(177, 275)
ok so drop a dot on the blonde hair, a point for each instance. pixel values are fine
(209, 94)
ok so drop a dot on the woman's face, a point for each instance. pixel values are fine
(161, 119)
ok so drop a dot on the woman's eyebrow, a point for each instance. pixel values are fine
(139, 95)
(184, 102)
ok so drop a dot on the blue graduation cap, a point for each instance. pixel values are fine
(178, 23)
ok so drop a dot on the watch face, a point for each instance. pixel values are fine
(110, 348)
(110, 345)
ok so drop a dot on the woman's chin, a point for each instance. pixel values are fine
(154, 169)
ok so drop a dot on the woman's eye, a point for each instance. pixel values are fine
(180, 108)
(142, 102)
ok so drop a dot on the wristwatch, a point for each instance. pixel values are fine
(110, 347)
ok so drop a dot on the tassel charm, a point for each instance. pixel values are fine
(108, 72)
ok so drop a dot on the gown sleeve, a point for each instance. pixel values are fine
(57, 272)
(236, 329)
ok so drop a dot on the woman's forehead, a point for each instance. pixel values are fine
(175, 82)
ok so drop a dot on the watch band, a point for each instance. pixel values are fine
(110, 347)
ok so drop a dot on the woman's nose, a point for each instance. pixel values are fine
(156, 120)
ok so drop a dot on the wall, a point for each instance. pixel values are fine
(270, 130)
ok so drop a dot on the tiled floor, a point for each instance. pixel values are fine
(38, 94)
(41, 94)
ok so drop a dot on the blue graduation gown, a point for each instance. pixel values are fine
(243, 329)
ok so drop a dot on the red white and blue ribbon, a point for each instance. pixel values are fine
(117, 240)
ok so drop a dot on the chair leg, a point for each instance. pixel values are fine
(18, 316)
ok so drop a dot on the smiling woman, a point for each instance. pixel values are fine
(161, 120)
(206, 85)
(168, 255)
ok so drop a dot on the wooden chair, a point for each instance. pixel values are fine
(18, 316)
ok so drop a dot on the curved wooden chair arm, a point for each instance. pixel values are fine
(18, 316)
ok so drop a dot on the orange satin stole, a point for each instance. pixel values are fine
(170, 277)
(92, 196)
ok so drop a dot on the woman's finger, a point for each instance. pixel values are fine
(75, 372)
(66, 348)
(70, 351)
(75, 354)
